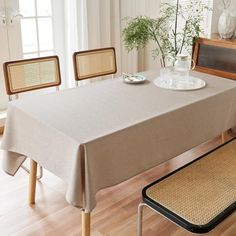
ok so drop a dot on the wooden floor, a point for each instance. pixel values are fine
(115, 214)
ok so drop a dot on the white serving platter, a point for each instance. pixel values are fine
(192, 83)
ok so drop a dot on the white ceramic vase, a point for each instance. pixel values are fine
(226, 24)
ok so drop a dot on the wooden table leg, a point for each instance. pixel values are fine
(32, 181)
(224, 136)
(85, 223)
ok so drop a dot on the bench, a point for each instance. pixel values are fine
(199, 195)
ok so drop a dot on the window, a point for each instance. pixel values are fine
(37, 19)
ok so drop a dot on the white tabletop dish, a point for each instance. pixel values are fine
(134, 79)
(192, 83)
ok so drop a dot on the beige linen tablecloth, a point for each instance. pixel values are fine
(106, 132)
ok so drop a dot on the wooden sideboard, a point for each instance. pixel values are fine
(215, 56)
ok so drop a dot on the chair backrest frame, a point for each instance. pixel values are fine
(8, 82)
(95, 52)
(213, 43)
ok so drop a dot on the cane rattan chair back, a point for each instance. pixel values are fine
(31, 74)
(94, 63)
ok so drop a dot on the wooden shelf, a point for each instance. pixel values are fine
(216, 37)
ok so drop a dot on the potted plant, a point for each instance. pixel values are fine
(173, 32)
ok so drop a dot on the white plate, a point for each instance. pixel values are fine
(192, 83)
(135, 79)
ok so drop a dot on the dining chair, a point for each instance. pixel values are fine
(94, 63)
(31, 74)
(216, 57)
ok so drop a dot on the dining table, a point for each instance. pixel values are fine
(105, 132)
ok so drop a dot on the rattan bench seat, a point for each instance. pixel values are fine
(199, 195)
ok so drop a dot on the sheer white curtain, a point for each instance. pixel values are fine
(103, 23)
(71, 39)
(98, 23)
(91, 24)
(142, 60)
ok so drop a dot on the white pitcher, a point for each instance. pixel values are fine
(183, 65)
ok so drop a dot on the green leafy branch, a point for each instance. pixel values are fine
(170, 37)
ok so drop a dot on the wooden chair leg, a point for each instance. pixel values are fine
(224, 136)
(85, 223)
(32, 181)
(40, 173)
